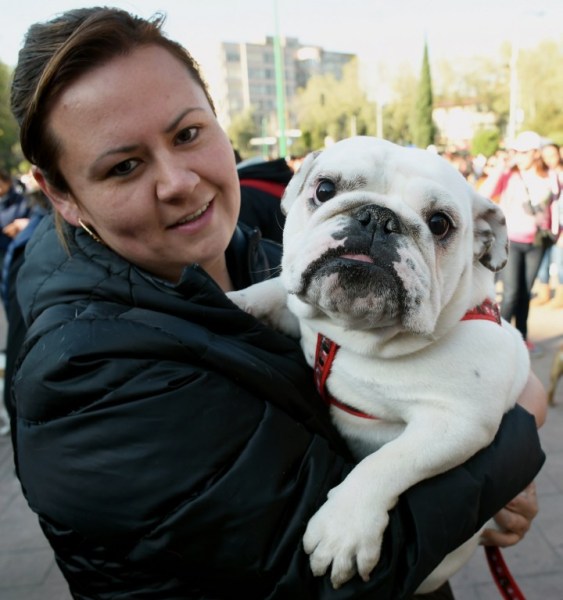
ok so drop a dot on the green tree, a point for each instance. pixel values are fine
(242, 129)
(485, 142)
(482, 80)
(397, 114)
(541, 86)
(333, 108)
(10, 153)
(423, 128)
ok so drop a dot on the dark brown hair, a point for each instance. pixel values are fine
(58, 52)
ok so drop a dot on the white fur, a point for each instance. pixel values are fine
(438, 385)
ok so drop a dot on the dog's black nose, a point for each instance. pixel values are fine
(378, 220)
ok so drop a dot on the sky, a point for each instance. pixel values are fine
(389, 32)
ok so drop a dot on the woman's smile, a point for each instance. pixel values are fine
(191, 218)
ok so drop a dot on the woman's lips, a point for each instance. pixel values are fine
(192, 217)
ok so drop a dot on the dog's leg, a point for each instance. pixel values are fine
(347, 530)
(267, 301)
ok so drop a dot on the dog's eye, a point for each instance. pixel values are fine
(325, 190)
(439, 224)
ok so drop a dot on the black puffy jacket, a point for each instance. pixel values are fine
(174, 448)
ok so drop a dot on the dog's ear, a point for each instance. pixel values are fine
(490, 238)
(295, 185)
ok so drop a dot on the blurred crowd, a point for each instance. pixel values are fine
(526, 179)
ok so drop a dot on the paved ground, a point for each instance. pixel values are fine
(28, 570)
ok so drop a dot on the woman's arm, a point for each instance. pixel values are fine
(534, 399)
(515, 519)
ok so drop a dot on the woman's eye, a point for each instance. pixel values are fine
(324, 191)
(439, 224)
(124, 168)
(187, 135)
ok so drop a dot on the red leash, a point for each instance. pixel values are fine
(506, 584)
(324, 357)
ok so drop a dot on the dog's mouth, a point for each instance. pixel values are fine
(359, 258)
(354, 265)
(360, 287)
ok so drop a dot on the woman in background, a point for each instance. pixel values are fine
(525, 194)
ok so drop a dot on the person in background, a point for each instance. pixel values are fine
(173, 446)
(494, 167)
(14, 211)
(263, 183)
(13, 259)
(461, 160)
(550, 153)
(295, 161)
(14, 218)
(525, 193)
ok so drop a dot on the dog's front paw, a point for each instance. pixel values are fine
(346, 535)
(266, 301)
(242, 300)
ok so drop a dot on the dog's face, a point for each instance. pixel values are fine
(378, 235)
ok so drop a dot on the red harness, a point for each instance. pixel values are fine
(327, 349)
(324, 357)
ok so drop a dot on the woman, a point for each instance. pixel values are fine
(525, 195)
(14, 211)
(551, 155)
(172, 446)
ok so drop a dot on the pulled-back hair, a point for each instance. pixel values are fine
(58, 52)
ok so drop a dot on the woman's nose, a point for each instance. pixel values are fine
(175, 180)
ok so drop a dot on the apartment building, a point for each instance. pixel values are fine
(248, 77)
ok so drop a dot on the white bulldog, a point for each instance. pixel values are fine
(388, 265)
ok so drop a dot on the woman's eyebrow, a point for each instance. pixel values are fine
(177, 120)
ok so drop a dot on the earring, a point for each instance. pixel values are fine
(89, 231)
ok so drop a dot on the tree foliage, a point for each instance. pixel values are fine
(423, 127)
(397, 114)
(10, 154)
(485, 142)
(541, 89)
(242, 129)
(331, 108)
(481, 79)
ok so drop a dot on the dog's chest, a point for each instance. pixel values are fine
(369, 398)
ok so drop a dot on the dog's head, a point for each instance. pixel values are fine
(378, 235)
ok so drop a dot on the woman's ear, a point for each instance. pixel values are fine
(63, 202)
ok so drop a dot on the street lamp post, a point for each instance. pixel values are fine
(513, 99)
(280, 92)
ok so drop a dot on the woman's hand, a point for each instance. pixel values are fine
(13, 228)
(513, 520)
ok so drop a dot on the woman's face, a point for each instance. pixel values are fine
(550, 155)
(147, 164)
(525, 160)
